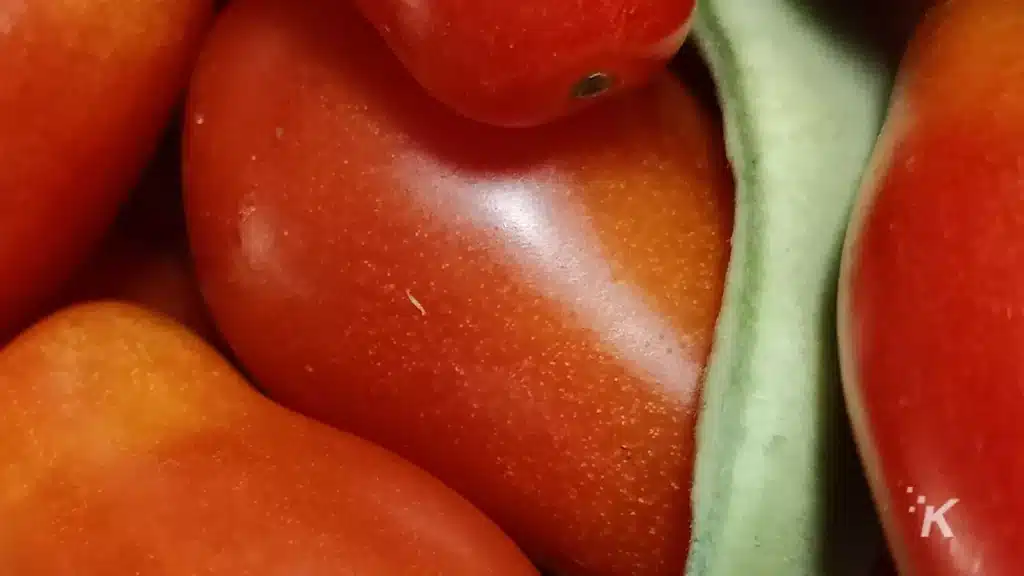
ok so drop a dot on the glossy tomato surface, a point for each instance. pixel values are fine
(85, 90)
(932, 312)
(529, 62)
(128, 446)
(524, 313)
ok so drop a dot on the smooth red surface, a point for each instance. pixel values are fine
(128, 446)
(515, 63)
(86, 87)
(932, 324)
(525, 313)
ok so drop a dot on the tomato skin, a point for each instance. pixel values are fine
(524, 313)
(516, 63)
(932, 301)
(130, 447)
(87, 88)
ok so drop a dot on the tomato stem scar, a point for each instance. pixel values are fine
(592, 85)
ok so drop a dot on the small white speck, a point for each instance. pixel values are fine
(200, 119)
(279, 132)
(416, 303)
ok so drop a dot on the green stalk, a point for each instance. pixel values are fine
(778, 490)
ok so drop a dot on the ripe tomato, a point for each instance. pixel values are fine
(525, 313)
(932, 305)
(127, 446)
(526, 62)
(85, 90)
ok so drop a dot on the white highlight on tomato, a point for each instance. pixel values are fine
(561, 259)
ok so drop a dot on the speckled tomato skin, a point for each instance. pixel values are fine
(129, 446)
(86, 87)
(515, 63)
(932, 298)
(524, 313)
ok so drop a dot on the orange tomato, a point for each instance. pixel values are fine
(525, 313)
(86, 88)
(128, 446)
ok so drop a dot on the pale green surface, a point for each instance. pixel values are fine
(776, 488)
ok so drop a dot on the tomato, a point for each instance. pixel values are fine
(144, 257)
(527, 62)
(86, 89)
(932, 308)
(524, 313)
(130, 447)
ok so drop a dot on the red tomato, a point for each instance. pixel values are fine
(526, 62)
(86, 88)
(127, 446)
(525, 313)
(932, 308)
